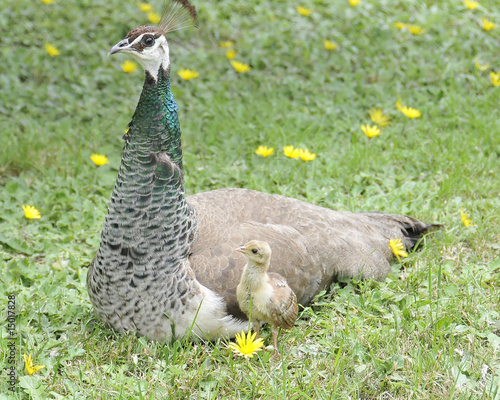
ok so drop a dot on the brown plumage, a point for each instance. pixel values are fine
(263, 296)
(326, 244)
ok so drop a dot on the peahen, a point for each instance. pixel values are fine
(166, 264)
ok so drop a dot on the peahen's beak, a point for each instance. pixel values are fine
(241, 249)
(122, 45)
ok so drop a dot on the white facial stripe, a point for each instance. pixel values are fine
(139, 38)
(151, 58)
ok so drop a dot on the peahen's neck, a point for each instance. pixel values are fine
(149, 226)
(155, 121)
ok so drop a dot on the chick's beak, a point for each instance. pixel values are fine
(241, 249)
(122, 45)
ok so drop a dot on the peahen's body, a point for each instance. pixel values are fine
(166, 264)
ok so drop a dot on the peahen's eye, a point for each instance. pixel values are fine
(147, 41)
(254, 251)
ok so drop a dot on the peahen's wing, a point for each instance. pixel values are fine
(311, 245)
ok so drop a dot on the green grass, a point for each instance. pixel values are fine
(429, 331)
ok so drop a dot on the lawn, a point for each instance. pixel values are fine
(431, 330)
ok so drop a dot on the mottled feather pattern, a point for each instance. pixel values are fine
(138, 256)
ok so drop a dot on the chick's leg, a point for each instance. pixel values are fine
(274, 331)
(256, 327)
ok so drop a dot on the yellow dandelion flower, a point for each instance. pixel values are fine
(329, 45)
(290, 152)
(303, 11)
(305, 155)
(465, 219)
(28, 363)
(354, 2)
(153, 17)
(377, 116)
(488, 25)
(145, 7)
(495, 78)
(187, 74)
(240, 67)
(129, 66)
(31, 212)
(47, 1)
(99, 159)
(481, 67)
(227, 43)
(52, 50)
(230, 54)
(398, 248)
(371, 131)
(415, 29)
(471, 5)
(264, 151)
(247, 346)
(408, 111)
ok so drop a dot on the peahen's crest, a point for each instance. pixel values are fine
(177, 14)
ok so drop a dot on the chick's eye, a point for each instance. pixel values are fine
(148, 41)
(254, 251)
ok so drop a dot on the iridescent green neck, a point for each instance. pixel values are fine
(155, 118)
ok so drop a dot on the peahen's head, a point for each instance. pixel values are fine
(148, 45)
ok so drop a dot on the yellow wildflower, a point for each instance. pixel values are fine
(227, 43)
(145, 7)
(230, 54)
(408, 111)
(187, 74)
(378, 116)
(31, 212)
(28, 363)
(495, 78)
(471, 5)
(99, 159)
(264, 151)
(371, 131)
(329, 45)
(397, 247)
(52, 50)
(129, 66)
(465, 219)
(354, 2)
(153, 17)
(415, 29)
(290, 152)
(240, 67)
(47, 1)
(305, 155)
(303, 11)
(246, 346)
(481, 67)
(488, 25)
